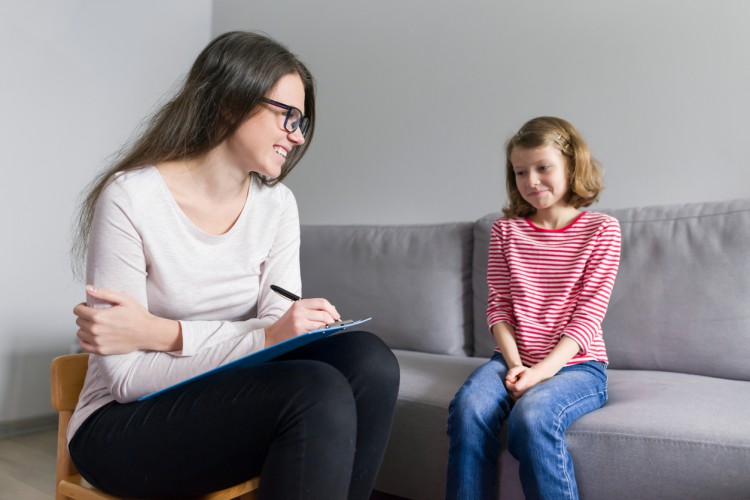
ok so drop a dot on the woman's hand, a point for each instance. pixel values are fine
(122, 327)
(305, 315)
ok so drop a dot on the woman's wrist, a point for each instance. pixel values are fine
(164, 336)
(271, 334)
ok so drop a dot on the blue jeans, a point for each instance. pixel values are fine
(536, 430)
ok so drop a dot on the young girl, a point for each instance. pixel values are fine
(185, 234)
(550, 275)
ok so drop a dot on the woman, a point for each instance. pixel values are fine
(186, 232)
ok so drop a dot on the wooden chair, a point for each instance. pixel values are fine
(67, 376)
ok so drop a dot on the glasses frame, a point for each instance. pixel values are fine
(304, 121)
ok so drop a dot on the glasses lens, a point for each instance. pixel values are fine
(293, 119)
(304, 124)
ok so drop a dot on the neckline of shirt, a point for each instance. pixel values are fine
(190, 224)
(558, 230)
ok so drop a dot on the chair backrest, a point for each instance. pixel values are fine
(67, 374)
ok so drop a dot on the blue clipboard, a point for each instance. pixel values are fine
(267, 354)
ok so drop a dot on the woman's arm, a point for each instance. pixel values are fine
(124, 326)
(117, 261)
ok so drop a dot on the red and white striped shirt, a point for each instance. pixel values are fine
(547, 283)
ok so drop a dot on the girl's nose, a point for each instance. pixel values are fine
(533, 179)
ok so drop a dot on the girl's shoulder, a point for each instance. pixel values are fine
(601, 220)
(506, 222)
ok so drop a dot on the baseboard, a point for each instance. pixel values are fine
(22, 426)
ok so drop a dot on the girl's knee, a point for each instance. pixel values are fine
(472, 410)
(531, 427)
(529, 416)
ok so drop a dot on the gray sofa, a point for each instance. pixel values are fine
(677, 422)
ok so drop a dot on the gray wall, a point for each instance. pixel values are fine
(417, 97)
(415, 101)
(77, 77)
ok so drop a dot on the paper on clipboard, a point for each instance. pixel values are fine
(266, 354)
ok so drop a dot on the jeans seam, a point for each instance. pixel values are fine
(561, 454)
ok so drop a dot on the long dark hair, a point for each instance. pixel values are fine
(223, 88)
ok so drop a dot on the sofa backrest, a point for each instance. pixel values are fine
(415, 281)
(681, 301)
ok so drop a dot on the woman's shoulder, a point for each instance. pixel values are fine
(129, 196)
(133, 186)
(277, 193)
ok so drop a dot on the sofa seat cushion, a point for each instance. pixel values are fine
(666, 435)
(417, 455)
(660, 435)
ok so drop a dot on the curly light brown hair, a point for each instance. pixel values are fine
(585, 174)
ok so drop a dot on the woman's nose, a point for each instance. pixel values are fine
(296, 137)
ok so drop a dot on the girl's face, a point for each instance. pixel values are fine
(541, 176)
(261, 143)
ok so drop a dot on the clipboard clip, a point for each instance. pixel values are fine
(341, 322)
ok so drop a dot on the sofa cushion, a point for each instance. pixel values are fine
(483, 343)
(416, 459)
(667, 436)
(414, 281)
(660, 435)
(680, 301)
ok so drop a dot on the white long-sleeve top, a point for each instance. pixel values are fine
(143, 245)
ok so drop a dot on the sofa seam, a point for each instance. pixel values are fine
(422, 403)
(682, 217)
(664, 440)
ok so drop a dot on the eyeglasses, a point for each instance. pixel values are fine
(294, 119)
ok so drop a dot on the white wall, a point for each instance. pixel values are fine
(77, 77)
(417, 97)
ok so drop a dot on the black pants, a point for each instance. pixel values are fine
(314, 424)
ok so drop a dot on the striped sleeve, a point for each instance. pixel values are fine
(499, 305)
(598, 280)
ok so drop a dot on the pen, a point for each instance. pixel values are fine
(289, 295)
(284, 293)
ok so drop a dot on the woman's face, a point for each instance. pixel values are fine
(261, 143)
